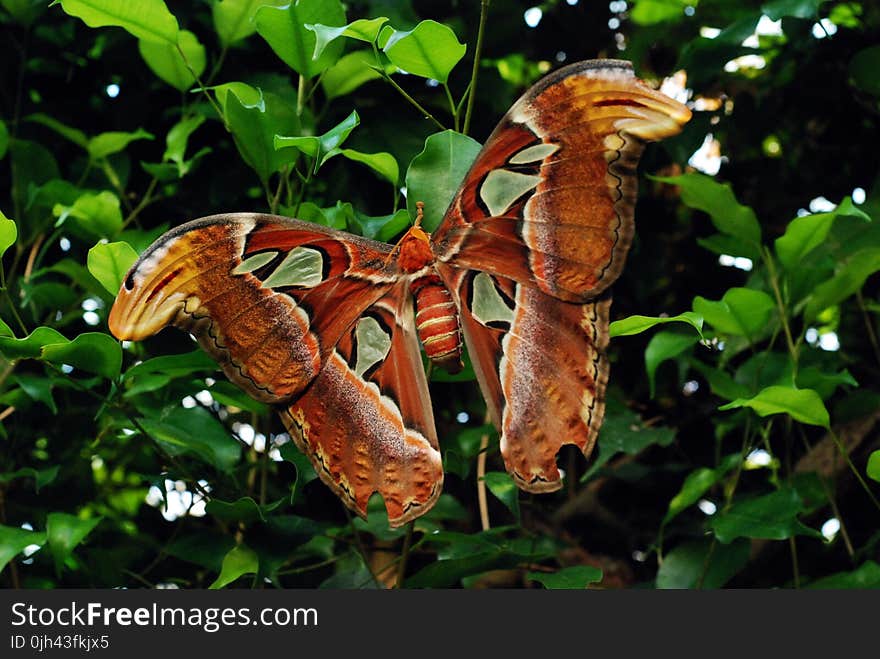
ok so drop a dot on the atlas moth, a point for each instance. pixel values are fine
(326, 326)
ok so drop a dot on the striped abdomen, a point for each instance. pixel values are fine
(437, 322)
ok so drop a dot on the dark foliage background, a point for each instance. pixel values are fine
(120, 467)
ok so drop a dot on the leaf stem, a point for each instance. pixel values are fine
(452, 109)
(404, 555)
(728, 501)
(360, 547)
(872, 335)
(478, 50)
(481, 483)
(203, 88)
(780, 305)
(413, 101)
(852, 467)
(302, 188)
(145, 201)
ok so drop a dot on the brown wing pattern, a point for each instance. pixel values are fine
(268, 297)
(549, 201)
(542, 367)
(313, 318)
(321, 322)
(533, 239)
(366, 421)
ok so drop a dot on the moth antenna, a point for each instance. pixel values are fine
(420, 214)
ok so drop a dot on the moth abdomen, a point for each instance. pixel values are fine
(437, 322)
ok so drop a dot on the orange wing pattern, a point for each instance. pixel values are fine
(297, 312)
(230, 281)
(322, 323)
(549, 200)
(536, 234)
(366, 421)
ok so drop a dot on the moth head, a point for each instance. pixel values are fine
(149, 298)
(415, 250)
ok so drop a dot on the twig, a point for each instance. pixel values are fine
(478, 50)
(872, 336)
(404, 554)
(481, 483)
(360, 547)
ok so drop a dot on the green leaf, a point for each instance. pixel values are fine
(244, 509)
(376, 523)
(14, 540)
(505, 490)
(107, 144)
(30, 346)
(39, 388)
(204, 547)
(449, 572)
(728, 215)
(149, 20)
(249, 97)
(873, 468)
(322, 147)
(770, 517)
(195, 431)
(698, 483)
(777, 9)
(651, 12)
(64, 532)
(188, 363)
(284, 29)
(92, 352)
(431, 50)
(435, 175)
(824, 384)
(34, 166)
(867, 575)
(254, 128)
(109, 263)
(239, 561)
(848, 280)
(740, 312)
(24, 11)
(177, 64)
(683, 566)
(93, 215)
(575, 577)
(638, 324)
(802, 405)
(305, 472)
(8, 233)
(67, 132)
(178, 137)
(42, 477)
(863, 69)
(234, 19)
(804, 234)
(383, 163)
(721, 244)
(720, 382)
(350, 72)
(363, 30)
(229, 395)
(383, 227)
(624, 432)
(662, 347)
